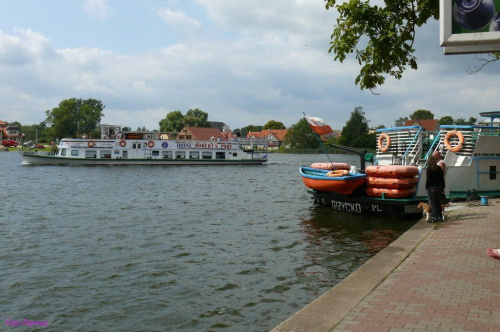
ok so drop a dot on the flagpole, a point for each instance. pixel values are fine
(321, 143)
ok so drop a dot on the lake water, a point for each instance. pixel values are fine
(232, 248)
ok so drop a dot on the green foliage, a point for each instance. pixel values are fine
(172, 122)
(175, 121)
(245, 130)
(422, 115)
(35, 133)
(274, 125)
(463, 122)
(300, 136)
(355, 132)
(446, 120)
(401, 121)
(74, 117)
(196, 118)
(381, 37)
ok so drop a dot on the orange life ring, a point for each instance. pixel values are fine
(454, 148)
(91, 143)
(337, 173)
(123, 143)
(381, 147)
(151, 144)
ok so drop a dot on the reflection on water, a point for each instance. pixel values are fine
(339, 243)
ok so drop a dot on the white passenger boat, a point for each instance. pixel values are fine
(146, 148)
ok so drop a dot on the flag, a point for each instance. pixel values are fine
(319, 126)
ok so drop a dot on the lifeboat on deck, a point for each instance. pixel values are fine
(331, 166)
(318, 179)
(392, 171)
(390, 193)
(392, 183)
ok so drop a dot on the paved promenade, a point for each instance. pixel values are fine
(435, 277)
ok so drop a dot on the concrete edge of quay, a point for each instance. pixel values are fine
(330, 308)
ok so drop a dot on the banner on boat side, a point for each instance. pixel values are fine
(469, 26)
(319, 126)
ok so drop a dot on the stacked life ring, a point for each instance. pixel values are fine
(151, 144)
(90, 143)
(123, 143)
(454, 134)
(381, 146)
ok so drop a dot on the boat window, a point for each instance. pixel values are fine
(206, 155)
(75, 153)
(493, 172)
(167, 154)
(180, 154)
(155, 153)
(136, 145)
(220, 155)
(194, 155)
(63, 152)
(105, 154)
(235, 154)
(90, 154)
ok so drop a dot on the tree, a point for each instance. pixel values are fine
(300, 136)
(35, 132)
(74, 117)
(401, 121)
(245, 130)
(422, 115)
(355, 131)
(274, 125)
(463, 122)
(386, 32)
(196, 118)
(175, 121)
(446, 120)
(172, 122)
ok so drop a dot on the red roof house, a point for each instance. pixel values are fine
(427, 125)
(201, 134)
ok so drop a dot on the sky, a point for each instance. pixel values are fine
(242, 62)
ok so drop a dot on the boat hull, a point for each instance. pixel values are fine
(360, 204)
(41, 159)
(317, 179)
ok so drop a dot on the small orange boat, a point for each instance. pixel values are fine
(331, 166)
(392, 183)
(390, 193)
(318, 179)
(392, 171)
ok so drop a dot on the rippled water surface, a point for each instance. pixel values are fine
(233, 248)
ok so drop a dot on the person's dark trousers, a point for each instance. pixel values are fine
(434, 194)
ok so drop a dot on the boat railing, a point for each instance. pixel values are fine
(414, 150)
(405, 146)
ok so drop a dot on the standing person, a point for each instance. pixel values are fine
(435, 186)
(440, 162)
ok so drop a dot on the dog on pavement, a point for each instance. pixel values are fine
(426, 209)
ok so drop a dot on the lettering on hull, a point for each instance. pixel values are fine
(347, 206)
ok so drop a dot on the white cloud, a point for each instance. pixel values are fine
(178, 19)
(267, 61)
(96, 8)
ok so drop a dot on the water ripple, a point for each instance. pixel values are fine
(164, 248)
